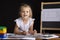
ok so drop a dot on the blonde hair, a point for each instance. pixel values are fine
(26, 5)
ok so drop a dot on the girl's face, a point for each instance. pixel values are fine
(25, 12)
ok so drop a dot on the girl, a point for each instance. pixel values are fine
(24, 24)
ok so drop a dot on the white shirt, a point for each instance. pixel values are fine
(22, 26)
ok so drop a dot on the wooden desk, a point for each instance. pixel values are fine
(51, 39)
(39, 38)
(56, 38)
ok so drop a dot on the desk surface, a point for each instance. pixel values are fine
(52, 38)
(13, 36)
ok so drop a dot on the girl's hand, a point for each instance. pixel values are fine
(35, 32)
(25, 33)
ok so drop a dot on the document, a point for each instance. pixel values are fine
(15, 36)
(41, 36)
(46, 36)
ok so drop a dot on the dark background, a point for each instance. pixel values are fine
(9, 12)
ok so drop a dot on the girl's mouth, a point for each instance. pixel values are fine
(25, 15)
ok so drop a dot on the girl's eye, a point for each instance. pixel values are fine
(24, 11)
(27, 11)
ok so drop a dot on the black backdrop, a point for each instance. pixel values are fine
(9, 12)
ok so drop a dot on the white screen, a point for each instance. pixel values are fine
(51, 14)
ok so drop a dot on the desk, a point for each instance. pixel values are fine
(11, 36)
(50, 38)
(55, 38)
(31, 38)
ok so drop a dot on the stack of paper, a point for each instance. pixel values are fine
(46, 36)
(15, 36)
(41, 36)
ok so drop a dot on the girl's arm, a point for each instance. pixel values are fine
(16, 31)
(31, 31)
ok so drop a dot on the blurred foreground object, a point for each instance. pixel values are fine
(3, 31)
